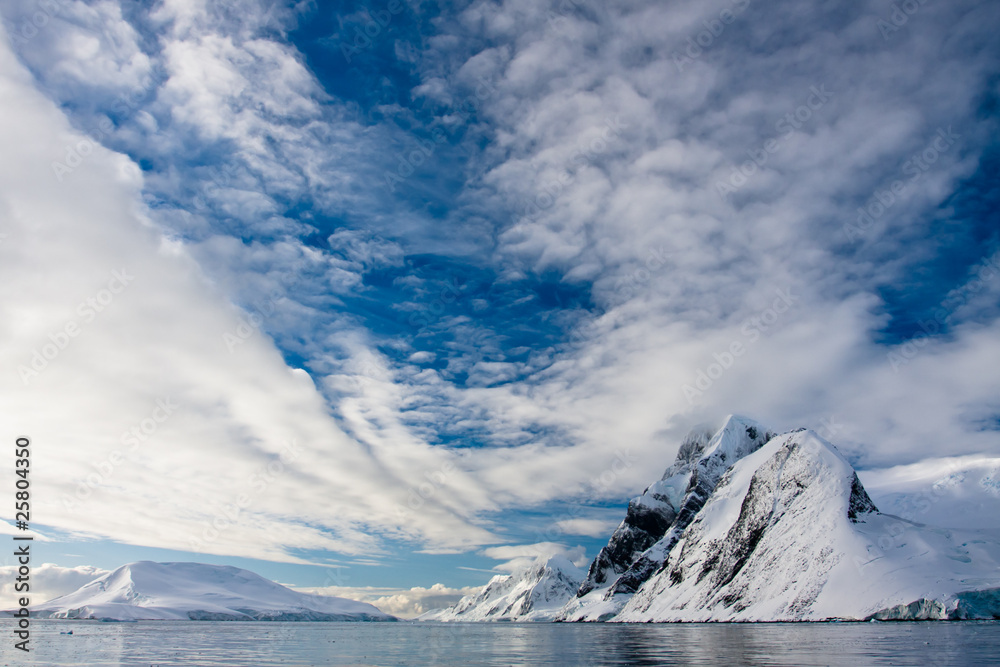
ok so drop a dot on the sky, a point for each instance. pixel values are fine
(382, 299)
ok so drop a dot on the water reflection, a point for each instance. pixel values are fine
(295, 644)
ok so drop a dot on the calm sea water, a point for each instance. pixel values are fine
(291, 644)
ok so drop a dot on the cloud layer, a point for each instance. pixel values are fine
(404, 602)
(151, 426)
(262, 312)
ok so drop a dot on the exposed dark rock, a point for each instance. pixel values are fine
(705, 475)
(860, 502)
(646, 521)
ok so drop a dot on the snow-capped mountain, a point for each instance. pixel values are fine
(533, 593)
(747, 525)
(789, 533)
(656, 520)
(195, 591)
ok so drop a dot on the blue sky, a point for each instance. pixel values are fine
(442, 265)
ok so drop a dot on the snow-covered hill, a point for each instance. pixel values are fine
(656, 520)
(534, 593)
(195, 591)
(790, 534)
(957, 492)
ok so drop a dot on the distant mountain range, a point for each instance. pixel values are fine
(195, 591)
(751, 525)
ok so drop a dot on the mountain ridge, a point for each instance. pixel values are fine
(748, 525)
(791, 535)
(701, 460)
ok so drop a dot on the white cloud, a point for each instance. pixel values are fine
(603, 209)
(517, 556)
(81, 45)
(47, 581)
(588, 527)
(951, 492)
(403, 602)
(608, 157)
(149, 430)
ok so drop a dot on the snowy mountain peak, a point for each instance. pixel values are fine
(655, 519)
(692, 447)
(196, 591)
(738, 437)
(533, 593)
(701, 441)
(130, 581)
(748, 525)
(780, 527)
(790, 534)
(555, 565)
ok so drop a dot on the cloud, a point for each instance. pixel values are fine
(608, 158)
(618, 237)
(516, 557)
(404, 603)
(124, 348)
(48, 580)
(82, 46)
(588, 527)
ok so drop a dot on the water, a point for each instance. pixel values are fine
(209, 644)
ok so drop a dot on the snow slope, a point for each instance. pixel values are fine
(656, 520)
(534, 593)
(790, 534)
(195, 591)
(957, 492)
